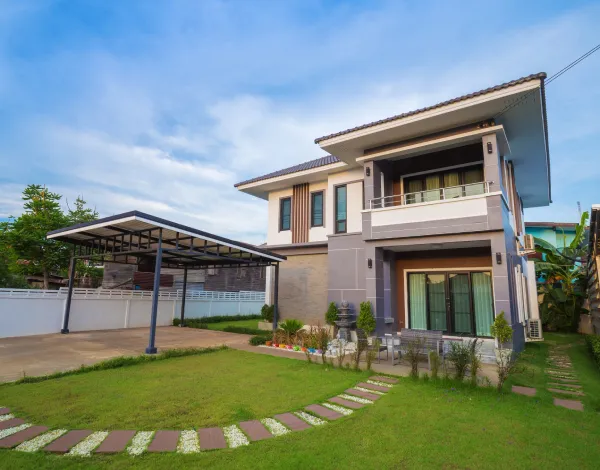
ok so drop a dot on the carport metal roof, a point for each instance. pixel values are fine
(132, 235)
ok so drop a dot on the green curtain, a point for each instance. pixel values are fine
(432, 184)
(437, 301)
(417, 302)
(461, 302)
(482, 302)
(452, 181)
(474, 176)
(413, 188)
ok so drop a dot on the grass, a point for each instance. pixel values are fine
(196, 391)
(241, 324)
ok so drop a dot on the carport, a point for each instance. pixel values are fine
(135, 236)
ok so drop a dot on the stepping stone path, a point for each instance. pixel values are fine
(561, 371)
(527, 391)
(16, 432)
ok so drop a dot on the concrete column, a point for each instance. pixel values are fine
(491, 162)
(375, 285)
(372, 182)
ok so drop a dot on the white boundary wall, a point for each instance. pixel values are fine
(25, 312)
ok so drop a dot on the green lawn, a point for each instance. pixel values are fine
(240, 323)
(213, 389)
(419, 424)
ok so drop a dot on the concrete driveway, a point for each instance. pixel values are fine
(45, 354)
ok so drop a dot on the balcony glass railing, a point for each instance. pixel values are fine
(431, 195)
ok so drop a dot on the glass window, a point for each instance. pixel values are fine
(436, 297)
(461, 181)
(316, 207)
(340, 209)
(285, 213)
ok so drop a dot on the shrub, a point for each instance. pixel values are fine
(593, 344)
(460, 356)
(501, 330)
(434, 362)
(291, 326)
(413, 349)
(192, 323)
(474, 359)
(506, 359)
(258, 340)
(366, 320)
(214, 319)
(266, 312)
(246, 331)
(372, 352)
(332, 314)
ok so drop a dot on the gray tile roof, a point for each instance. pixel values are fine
(323, 161)
(536, 76)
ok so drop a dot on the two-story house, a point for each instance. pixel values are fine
(420, 213)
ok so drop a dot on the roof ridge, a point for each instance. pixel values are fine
(518, 81)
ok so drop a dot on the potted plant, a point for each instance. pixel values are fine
(268, 343)
(303, 349)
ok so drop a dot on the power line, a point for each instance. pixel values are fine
(552, 78)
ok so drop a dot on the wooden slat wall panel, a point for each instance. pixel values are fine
(300, 213)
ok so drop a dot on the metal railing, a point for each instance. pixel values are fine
(108, 294)
(432, 195)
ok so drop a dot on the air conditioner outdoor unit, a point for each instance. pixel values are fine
(529, 243)
(535, 329)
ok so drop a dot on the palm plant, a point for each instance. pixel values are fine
(565, 277)
(291, 328)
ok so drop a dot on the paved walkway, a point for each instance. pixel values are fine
(21, 436)
(45, 354)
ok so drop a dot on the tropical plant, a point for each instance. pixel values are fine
(366, 320)
(564, 275)
(332, 314)
(291, 326)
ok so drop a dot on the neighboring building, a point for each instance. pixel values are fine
(594, 266)
(558, 234)
(420, 213)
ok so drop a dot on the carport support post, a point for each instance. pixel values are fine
(185, 269)
(151, 349)
(276, 298)
(67, 312)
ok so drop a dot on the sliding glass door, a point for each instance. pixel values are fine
(455, 303)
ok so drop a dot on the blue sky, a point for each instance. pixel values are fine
(162, 106)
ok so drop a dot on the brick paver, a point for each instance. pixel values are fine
(115, 442)
(361, 394)
(527, 391)
(11, 423)
(211, 438)
(292, 421)
(324, 412)
(4, 411)
(255, 430)
(22, 436)
(347, 403)
(65, 442)
(164, 441)
(379, 388)
(569, 404)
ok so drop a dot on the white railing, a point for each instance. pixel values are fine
(81, 293)
(432, 195)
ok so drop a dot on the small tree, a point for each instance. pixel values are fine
(332, 314)
(506, 359)
(366, 320)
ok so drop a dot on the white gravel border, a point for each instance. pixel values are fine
(85, 447)
(338, 408)
(310, 419)
(188, 442)
(235, 437)
(275, 427)
(140, 442)
(39, 442)
(368, 390)
(6, 417)
(383, 384)
(356, 399)
(10, 431)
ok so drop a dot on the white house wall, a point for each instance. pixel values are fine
(274, 236)
(318, 234)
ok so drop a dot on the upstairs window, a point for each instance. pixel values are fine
(316, 209)
(341, 207)
(447, 184)
(285, 214)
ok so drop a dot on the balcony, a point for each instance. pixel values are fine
(450, 210)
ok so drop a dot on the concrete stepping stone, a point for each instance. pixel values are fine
(527, 391)
(568, 392)
(564, 385)
(361, 394)
(22, 436)
(255, 430)
(211, 438)
(115, 442)
(164, 441)
(64, 443)
(292, 421)
(378, 388)
(347, 403)
(387, 380)
(11, 423)
(324, 412)
(4, 411)
(569, 404)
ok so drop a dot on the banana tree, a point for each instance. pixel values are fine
(564, 273)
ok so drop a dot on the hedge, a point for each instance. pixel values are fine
(246, 331)
(215, 319)
(259, 339)
(593, 344)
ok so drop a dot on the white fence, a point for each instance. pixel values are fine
(25, 312)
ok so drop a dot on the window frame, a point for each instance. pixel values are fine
(312, 208)
(335, 209)
(281, 202)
